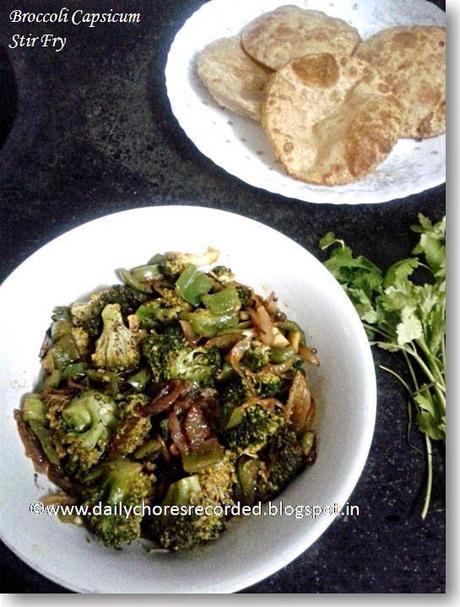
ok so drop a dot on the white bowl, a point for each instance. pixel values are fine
(344, 386)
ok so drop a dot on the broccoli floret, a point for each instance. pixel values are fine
(245, 295)
(164, 310)
(174, 263)
(171, 267)
(254, 430)
(257, 357)
(156, 348)
(212, 486)
(118, 483)
(133, 430)
(81, 339)
(87, 314)
(195, 365)
(235, 392)
(223, 274)
(281, 462)
(271, 385)
(170, 357)
(117, 347)
(81, 429)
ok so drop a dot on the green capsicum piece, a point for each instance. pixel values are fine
(207, 325)
(193, 284)
(34, 409)
(73, 370)
(34, 413)
(247, 472)
(225, 302)
(65, 351)
(281, 355)
(193, 462)
(139, 380)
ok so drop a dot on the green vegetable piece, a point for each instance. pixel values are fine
(150, 447)
(61, 313)
(73, 370)
(281, 355)
(89, 415)
(223, 303)
(236, 417)
(183, 491)
(193, 284)
(147, 315)
(248, 469)
(128, 279)
(193, 462)
(106, 377)
(59, 328)
(45, 441)
(140, 380)
(289, 326)
(78, 416)
(53, 380)
(147, 273)
(34, 409)
(116, 348)
(207, 325)
(307, 441)
(65, 351)
(156, 259)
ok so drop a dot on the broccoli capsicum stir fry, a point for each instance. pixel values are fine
(175, 387)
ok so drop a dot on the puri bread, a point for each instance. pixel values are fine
(234, 80)
(331, 119)
(288, 32)
(412, 60)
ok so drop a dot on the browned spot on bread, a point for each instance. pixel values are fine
(405, 39)
(317, 70)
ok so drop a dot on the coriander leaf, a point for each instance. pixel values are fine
(429, 426)
(328, 239)
(400, 270)
(409, 328)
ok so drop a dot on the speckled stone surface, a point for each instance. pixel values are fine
(94, 134)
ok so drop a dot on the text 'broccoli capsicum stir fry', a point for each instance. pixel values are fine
(177, 387)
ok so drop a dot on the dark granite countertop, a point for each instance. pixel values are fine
(94, 134)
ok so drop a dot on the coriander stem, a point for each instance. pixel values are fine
(429, 484)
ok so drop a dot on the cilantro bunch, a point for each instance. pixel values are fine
(404, 310)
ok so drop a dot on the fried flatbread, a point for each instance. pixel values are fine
(289, 32)
(234, 80)
(331, 119)
(412, 60)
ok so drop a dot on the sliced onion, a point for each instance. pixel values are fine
(308, 355)
(196, 426)
(190, 337)
(263, 323)
(279, 369)
(57, 498)
(165, 399)
(237, 353)
(299, 403)
(31, 444)
(176, 433)
(226, 341)
(271, 304)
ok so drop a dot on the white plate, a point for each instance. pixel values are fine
(344, 385)
(239, 145)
